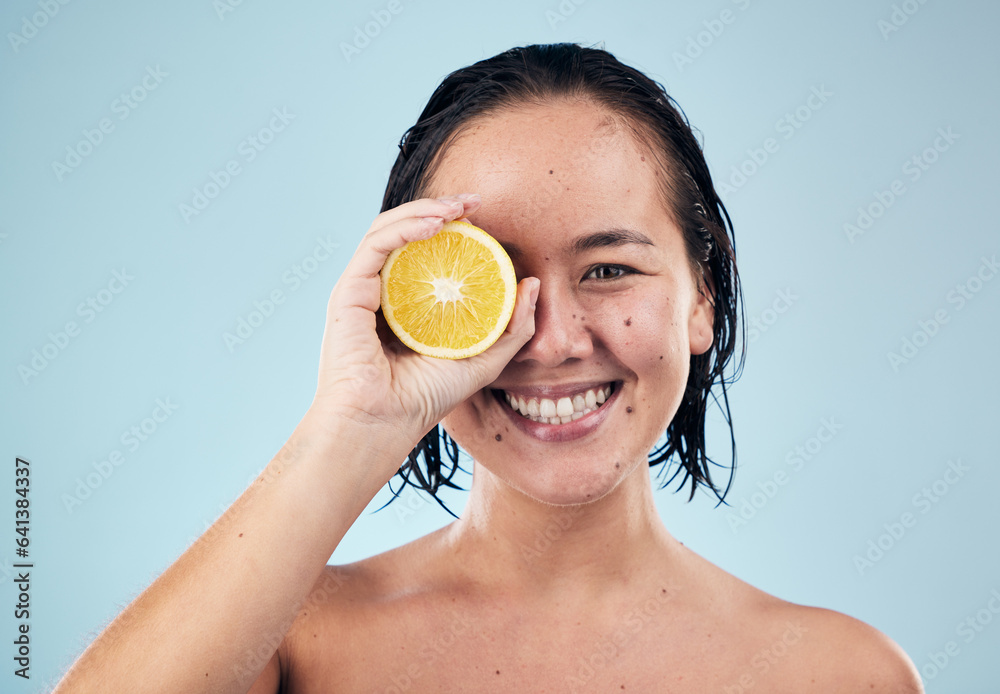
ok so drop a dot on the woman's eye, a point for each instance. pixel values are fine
(608, 272)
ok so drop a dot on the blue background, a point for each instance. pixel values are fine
(831, 304)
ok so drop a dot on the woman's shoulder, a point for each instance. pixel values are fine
(774, 645)
(854, 654)
(832, 648)
(387, 579)
(373, 600)
(783, 641)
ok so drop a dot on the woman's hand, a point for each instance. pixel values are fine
(366, 374)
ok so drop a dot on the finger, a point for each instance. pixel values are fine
(425, 207)
(520, 329)
(377, 244)
(359, 285)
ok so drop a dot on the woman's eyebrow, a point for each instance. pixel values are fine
(598, 239)
(611, 237)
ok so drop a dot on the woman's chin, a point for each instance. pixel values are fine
(570, 487)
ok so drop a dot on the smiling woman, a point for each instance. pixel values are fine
(628, 295)
(630, 115)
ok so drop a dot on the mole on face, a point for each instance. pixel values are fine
(628, 321)
(628, 410)
(498, 437)
(550, 170)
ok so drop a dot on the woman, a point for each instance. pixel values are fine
(559, 575)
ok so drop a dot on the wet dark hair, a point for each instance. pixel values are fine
(539, 74)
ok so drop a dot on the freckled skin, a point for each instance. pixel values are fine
(507, 161)
(560, 541)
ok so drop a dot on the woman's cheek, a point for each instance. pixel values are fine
(645, 323)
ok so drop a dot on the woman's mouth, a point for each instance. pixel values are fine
(558, 410)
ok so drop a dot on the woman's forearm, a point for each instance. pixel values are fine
(236, 590)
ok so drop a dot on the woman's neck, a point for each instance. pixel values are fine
(525, 546)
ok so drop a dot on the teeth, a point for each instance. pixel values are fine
(561, 411)
(564, 408)
(547, 408)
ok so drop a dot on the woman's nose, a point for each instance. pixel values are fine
(560, 330)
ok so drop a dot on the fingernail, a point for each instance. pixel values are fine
(470, 197)
(533, 295)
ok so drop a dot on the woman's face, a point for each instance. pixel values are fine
(575, 202)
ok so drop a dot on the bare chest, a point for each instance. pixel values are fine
(640, 652)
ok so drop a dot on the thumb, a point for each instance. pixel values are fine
(488, 365)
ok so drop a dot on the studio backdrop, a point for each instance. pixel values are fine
(181, 185)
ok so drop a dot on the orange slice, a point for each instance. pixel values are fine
(449, 296)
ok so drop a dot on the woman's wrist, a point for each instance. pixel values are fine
(362, 453)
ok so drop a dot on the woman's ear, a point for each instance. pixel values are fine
(702, 318)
